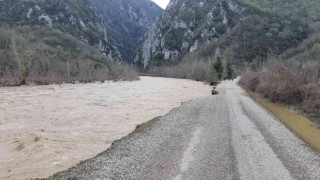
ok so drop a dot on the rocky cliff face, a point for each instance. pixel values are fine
(184, 27)
(126, 22)
(77, 17)
(242, 30)
(114, 26)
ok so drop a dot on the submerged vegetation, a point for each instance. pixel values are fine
(43, 55)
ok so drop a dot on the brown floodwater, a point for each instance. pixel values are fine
(46, 129)
(307, 130)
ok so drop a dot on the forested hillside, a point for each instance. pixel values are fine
(293, 78)
(239, 31)
(114, 27)
(44, 41)
(43, 55)
(76, 17)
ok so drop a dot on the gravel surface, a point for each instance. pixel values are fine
(47, 129)
(227, 136)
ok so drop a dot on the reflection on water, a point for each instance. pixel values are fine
(303, 127)
(45, 129)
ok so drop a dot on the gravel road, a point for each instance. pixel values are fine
(227, 136)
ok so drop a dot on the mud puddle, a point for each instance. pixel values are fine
(307, 130)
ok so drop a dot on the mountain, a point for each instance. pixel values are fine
(241, 31)
(77, 17)
(45, 41)
(126, 22)
(114, 26)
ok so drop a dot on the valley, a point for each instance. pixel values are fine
(74, 103)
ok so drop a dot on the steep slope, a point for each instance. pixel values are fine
(308, 50)
(43, 55)
(115, 27)
(126, 21)
(239, 30)
(77, 17)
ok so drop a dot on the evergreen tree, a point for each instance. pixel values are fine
(218, 68)
(229, 70)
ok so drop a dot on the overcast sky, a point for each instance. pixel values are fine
(162, 3)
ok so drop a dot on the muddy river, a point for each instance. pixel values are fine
(46, 129)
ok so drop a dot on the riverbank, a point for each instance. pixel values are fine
(46, 129)
(227, 136)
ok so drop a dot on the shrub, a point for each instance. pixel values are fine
(289, 83)
(217, 67)
(250, 80)
(195, 70)
(311, 103)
